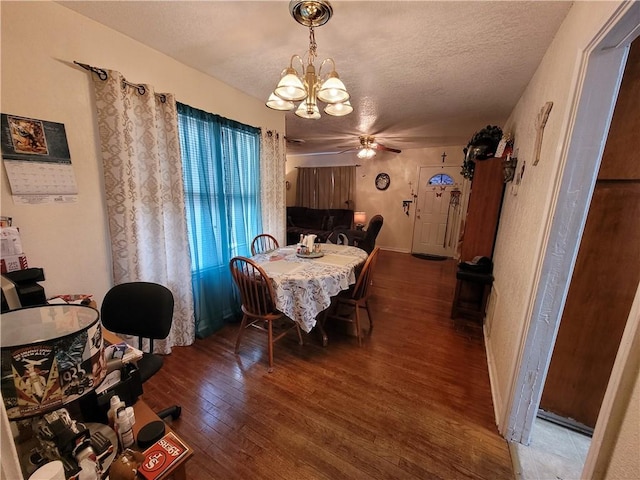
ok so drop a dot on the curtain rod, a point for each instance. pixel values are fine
(103, 75)
(329, 166)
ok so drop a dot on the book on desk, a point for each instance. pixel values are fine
(162, 456)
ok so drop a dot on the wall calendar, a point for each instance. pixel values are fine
(37, 160)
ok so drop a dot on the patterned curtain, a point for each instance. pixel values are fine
(326, 187)
(144, 194)
(273, 196)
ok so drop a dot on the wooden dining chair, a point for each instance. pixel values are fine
(357, 297)
(263, 243)
(258, 303)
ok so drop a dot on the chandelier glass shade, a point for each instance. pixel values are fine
(339, 109)
(278, 103)
(290, 86)
(306, 86)
(308, 110)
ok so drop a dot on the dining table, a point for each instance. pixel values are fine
(305, 283)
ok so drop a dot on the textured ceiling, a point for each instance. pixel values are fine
(420, 73)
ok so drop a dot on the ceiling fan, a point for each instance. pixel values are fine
(369, 147)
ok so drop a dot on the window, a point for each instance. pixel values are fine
(221, 171)
(441, 179)
(326, 187)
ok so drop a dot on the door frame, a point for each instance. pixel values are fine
(597, 85)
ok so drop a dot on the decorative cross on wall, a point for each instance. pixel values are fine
(444, 155)
(540, 124)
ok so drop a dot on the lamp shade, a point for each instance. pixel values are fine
(359, 218)
(338, 109)
(303, 111)
(277, 103)
(290, 87)
(333, 90)
(51, 355)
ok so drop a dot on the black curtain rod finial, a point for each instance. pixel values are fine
(102, 74)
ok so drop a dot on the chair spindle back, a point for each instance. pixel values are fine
(254, 285)
(263, 243)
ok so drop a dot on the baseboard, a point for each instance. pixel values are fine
(394, 249)
(515, 461)
(569, 423)
(498, 407)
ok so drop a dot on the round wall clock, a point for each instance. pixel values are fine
(382, 181)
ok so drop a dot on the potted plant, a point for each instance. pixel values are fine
(484, 143)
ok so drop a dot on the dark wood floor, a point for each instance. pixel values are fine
(412, 403)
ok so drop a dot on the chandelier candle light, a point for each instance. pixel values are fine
(309, 87)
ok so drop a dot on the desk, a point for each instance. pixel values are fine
(144, 415)
(304, 286)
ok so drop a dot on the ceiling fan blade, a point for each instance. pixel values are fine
(394, 150)
(380, 146)
(352, 149)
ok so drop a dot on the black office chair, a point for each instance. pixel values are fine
(144, 310)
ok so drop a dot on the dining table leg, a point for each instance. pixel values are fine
(320, 319)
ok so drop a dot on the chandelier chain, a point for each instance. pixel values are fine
(313, 47)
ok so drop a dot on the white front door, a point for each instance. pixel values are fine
(438, 211)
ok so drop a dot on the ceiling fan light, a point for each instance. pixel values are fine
(338, 109)
(304, 112)
(366, 153)
(290, 86)
(333, 90)
(277, 103)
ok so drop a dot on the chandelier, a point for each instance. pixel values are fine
(308, 87)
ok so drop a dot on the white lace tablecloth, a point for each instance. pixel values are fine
(304, 286)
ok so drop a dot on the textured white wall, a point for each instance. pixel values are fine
(40, 40)
(397, 230)
(526, 217)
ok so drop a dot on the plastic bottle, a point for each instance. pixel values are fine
(114, 404)
(131, 415)
(86, 459)
(124, 429)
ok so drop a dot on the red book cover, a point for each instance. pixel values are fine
(160, 456)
